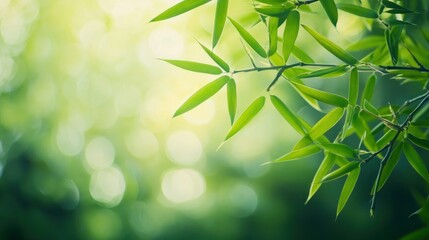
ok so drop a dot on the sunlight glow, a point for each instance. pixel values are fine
(183, 185)
(142, 143)
(107, 186)
(166, 43)
(99, 153)
(184, 148)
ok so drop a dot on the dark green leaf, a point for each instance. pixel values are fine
(348, 187)
(326, 123)
(340, 149)
(246, 116)
(216, 58)
(354, 87)
(301, 55)
(232, 99)
(423, 143)
(395, 22)
(368, 91)
(340, 172)
(297, 154)
(390, 165)
(395, 8)
(287, 114)
(273, 24)
(195, 66)
(202, 95)
(415, 160)
(331, 10)
(322, 96)
(323, 72)
(392, 38)
(331, 47)
(220, 17)
(326, 165)
(249, 39)
(181, 7)
(357, 10)
(290, 33)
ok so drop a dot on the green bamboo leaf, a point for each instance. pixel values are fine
(273, 25)
(329, 98)
(326, 165)
(323, 72)
(395, 8)
(366, 43)
(368, 91)
(220, 17)
(340, 149)
(415, 160)
(354, 87)
(392, 39)
(232, 99)
(421, 233)
(273, 2)
(249, 39)
(274, 9)
(370, 108)
(290, 33)
(181, 7)
(246, 116)
(221, 63)
(423, 143)
(195, 66)
(347, 190)
(297, 154)
(331, 47)
(202, 95)
(331, 10)
(340, 172)
(390, 165)
(357, 10)
(347, 122)
(386, 138)
(326, 123)
(287, 114)
(301, 55)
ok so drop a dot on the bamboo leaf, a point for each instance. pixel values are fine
(326, 165)
(357, 10)
(354, 87)
(232, 99)
(329, 98)
(340, 172)
(273, 25)
(340, 149)
(331, 47)
(202, 95)
(368, 91)
(195, 66)
(331, 10)
(297, 154)
(347, 190)
(389, 166)
(287, 114)
(347, 122)
(249, 39)
(220, 17)
(415, 160)
(323, 72)
(219, 61)
(326, 123)
(366, 43)
(301, 55)
(248, 114)
(275, 9)
(392, 38)
(386, 138)
(181, 7)
(423, 143)
(290, 33)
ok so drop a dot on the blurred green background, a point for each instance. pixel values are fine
(89, 149)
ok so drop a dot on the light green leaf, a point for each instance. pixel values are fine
(246, 116)
(370, 108)
(415, 160)
(249, 39)
(366, 43)
(326, 165)
(220, 17)
(331, 47)
(195, 66)
(348, 187)
(389, 166)
(354, 87)
(274, 9)
(290, 33)
(331, 10)
(393, 36)
(326, 123)
(347, 122)
(340, 172)
(297, 154)
(386, 138)
(216, 58)
(368, 91)
(323, 72)
(232, 99)
(202, 95)
(181, 7)
(287, 114)
(340, 149)
(301, 55)
(329, 98)
(423, 143)
(273, 25)
(357, 10)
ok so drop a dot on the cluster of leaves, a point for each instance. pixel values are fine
(384, 132)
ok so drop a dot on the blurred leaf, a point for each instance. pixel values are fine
(331, 10)
(368, 91)
(348, 187)
(274, 10)
(366, 43)
(423, 143)
(395, 8)
(181, 7)
(323, 72)
(249, 39)
(202, 95)
(392, 38)
(357, 10)
(287, 114)
(297, 154)
(329, 98)
(290, 33)
(340, 149)
(395, 22)
(326, 123)
(354, 87)
(326, 165)
(232, 99)
(246, 116)
(220, 18)
(340, 172)
(301, 55)
(195, 66)
(390, 165)
(421, 233)
(216, 58)
(331, 47)
(273, 24)
(415, 160)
